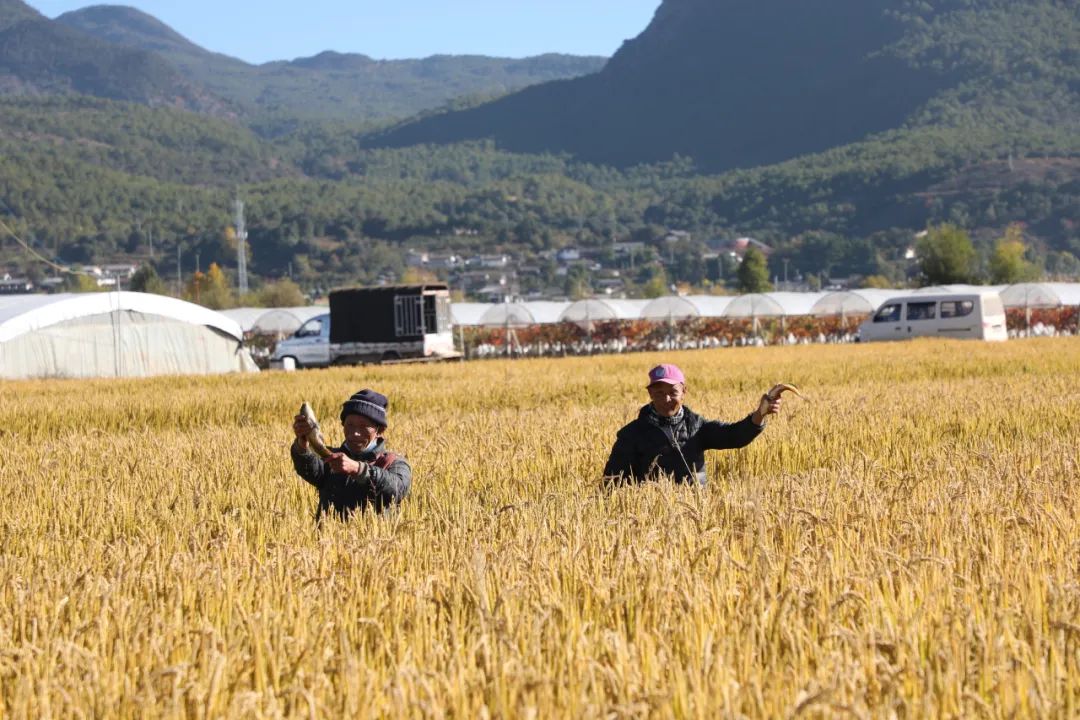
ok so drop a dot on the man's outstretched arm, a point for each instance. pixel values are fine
(715, 435)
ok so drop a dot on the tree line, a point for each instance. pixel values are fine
(86, 181)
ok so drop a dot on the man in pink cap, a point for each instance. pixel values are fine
(669, 440)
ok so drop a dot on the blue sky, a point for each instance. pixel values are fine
(387, 29)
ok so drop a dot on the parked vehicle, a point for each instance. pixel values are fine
(376, 324)
(977, 316)
(309, 346)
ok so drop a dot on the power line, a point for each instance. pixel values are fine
(34, 253)
(38, 256)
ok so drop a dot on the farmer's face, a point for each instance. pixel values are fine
(667, 399)
(359, 432)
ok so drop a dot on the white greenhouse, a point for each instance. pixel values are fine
(853, 302)
(600, 309)
(772, 305)
(467, 314)
(1031, 296)
(274, 321)
(522, 314)
(675, 307)
(955, 289)
(118, 334)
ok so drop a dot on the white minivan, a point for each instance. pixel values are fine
(976, 316)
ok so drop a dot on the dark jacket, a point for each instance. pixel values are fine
(648, 448)
(384, 485)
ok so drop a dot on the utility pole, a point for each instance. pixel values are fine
(179, 282)
(241, 250)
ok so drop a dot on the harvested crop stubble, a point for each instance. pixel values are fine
(907, 543)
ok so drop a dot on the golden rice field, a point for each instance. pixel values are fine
(905, 544)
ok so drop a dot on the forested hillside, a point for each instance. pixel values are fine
(735, 83)
(13, 12)
(997, 142)
(90, 180)
(42, 57)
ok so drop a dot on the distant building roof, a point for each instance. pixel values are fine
(739, 245)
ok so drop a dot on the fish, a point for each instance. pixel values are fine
(314, 436)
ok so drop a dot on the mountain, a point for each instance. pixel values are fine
(923, 112)
(744, 83)
(331, 85)
(129, 27)
(39, 56)
(13, 12)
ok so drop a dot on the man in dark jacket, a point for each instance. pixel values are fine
(670, 440)
(361, 473)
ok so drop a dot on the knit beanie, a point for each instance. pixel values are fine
(367, 403)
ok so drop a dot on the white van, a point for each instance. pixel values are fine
(975, 316)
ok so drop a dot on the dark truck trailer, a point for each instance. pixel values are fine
(377, 324)
(392, 322)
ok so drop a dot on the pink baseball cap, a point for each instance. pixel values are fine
(666, 373)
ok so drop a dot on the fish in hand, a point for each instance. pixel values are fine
(314, 436)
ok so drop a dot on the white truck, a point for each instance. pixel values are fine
(373, 324)
(977, 316)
